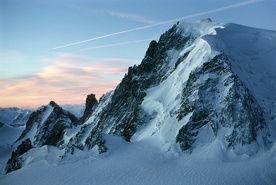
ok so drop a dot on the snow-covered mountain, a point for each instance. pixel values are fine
(201, 82)
(46, 126)
(77, 110)
(12, 122)
(203, 87)
(14, 116)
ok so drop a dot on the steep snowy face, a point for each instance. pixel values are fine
(208, 97)
(119, 112)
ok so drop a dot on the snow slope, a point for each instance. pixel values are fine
(144, 163)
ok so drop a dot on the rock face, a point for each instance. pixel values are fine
(200, 84)
(90, 102)
(16, 160)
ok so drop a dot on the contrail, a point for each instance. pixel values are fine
(116, 44)
(164, 22)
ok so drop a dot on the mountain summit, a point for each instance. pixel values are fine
(201, 84)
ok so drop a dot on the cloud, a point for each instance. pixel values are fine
(66, 79)
(129, 16)
(115, 44)
(10, 56)
(237, 5)
(7, 61)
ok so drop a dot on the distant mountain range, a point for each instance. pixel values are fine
(14, 116)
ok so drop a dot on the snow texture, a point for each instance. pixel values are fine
(144, 163)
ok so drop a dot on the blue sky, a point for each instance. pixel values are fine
(32, 73)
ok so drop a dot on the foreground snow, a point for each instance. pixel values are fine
(145, 162)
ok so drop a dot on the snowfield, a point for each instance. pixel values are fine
(145, 163)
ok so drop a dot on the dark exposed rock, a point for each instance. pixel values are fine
(90, 102)
(16, 160)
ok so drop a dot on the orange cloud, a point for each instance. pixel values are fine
(66, 79)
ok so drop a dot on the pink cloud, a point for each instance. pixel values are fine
(67, 79)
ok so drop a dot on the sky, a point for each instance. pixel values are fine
(63, 50)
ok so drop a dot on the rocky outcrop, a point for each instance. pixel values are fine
(17, 159)
(90, 102)
(218, 99)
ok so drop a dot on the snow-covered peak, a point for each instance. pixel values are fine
(199, 28)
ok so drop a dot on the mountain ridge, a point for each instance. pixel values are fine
(200, 85)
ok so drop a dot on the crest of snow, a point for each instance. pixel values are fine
(200, 28)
